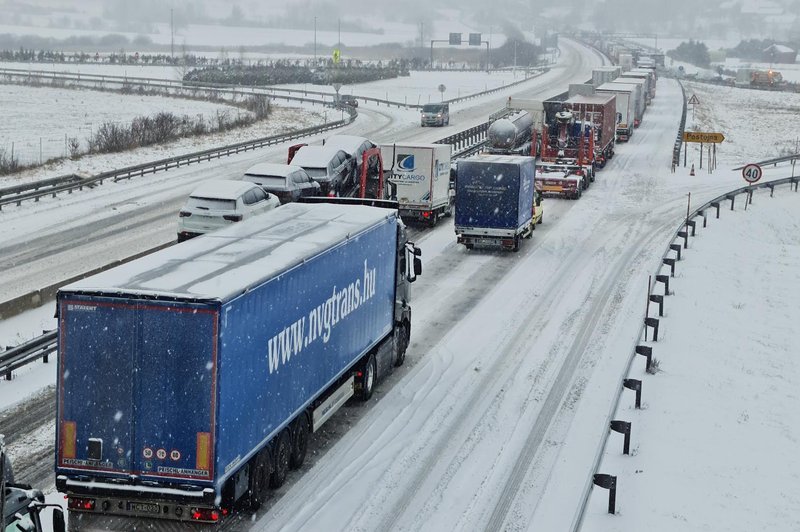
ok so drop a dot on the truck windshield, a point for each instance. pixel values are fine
(430, 108)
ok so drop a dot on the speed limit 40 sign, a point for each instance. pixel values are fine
(752, 173)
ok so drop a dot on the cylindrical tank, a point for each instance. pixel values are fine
(510, 133)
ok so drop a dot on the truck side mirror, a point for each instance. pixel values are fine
(58, 520)
(417, 266)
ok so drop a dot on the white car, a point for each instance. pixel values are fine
(218, 203)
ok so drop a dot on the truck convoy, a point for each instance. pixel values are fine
(420, 174)
(192, 378)
(496, 201)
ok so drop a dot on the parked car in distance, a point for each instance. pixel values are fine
(286, 181)
(221, 202)
(435, 114)
(353, 145)
(348, 100)
(331, 167)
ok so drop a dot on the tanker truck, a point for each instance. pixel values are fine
(511, 136)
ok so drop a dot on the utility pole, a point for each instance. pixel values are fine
(339, 44)
(172, 33)
(315, 41)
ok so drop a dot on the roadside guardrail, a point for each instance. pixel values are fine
(669, 258)
(35, 349)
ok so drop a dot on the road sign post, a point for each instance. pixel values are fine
(751, 173)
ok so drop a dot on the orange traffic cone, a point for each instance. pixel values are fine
(691, 172)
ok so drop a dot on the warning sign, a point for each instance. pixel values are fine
(693, 100)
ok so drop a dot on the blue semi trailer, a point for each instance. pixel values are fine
(191, 379)
(496, 201)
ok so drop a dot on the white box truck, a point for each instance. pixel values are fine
(626, 100)
(421, 173)
(644, 86)
(637, 96)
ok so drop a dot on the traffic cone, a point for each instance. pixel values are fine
(691, 172)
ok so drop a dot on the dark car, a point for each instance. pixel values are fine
(332, 168)
(348, 100)
(287, 181)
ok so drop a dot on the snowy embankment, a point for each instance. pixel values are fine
(714, 445)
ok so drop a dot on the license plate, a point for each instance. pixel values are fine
(553, 189)
(144, 508)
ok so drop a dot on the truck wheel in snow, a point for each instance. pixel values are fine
(469, 246)
(299, 442)
(367, 381)
(402, 339)
(259, 478)
(516, 244)
(540, 219)
(449, 212)
(282, 448)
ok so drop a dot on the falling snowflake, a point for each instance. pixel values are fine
(118, 415)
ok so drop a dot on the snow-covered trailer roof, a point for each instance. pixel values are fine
(223, 264)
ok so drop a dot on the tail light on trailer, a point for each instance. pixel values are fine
(78, 503)
(205, 514)
(426, 214)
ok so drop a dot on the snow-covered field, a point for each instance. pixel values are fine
(229, 38)
(38, 121)
(98, 107)
(757, 124)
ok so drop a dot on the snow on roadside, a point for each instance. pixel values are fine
(283, 119)
(714, 445)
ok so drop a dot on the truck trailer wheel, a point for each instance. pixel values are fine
(282, 449)
(259, 478)
(299, 442)
(366, 381)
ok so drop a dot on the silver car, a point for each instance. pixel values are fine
(287, 181)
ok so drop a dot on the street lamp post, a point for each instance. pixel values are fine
(315, 41)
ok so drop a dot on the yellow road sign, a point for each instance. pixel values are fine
(337, 55)
(708, 138)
